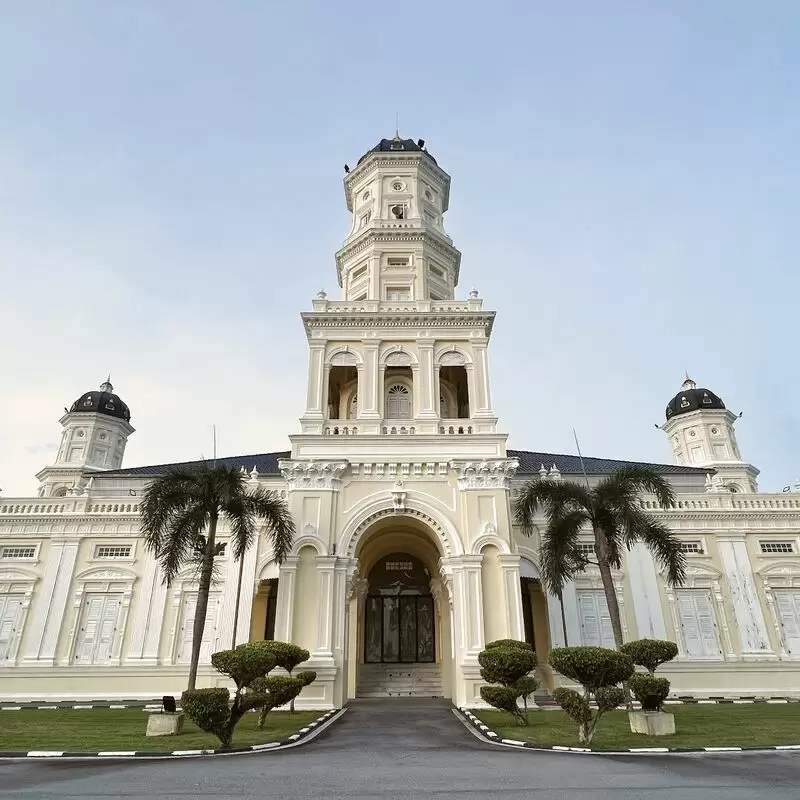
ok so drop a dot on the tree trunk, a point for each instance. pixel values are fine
(563, 619)
(238, 599)
(201, 608)
(608, 587)
(611, 602)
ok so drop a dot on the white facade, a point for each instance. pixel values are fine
(400, 485)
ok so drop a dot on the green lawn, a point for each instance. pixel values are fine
(696, 726)
(97, 730)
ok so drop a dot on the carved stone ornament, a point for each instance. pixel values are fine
(399, 497)
(452, 358)
(344, 359)
(489, 474)
(313, 474)
(398, 359)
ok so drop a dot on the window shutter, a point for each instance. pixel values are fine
(690, 628)
(788, 604)
(707, 625)
(10, 605)
(209, 631)
(187, 628)
(93, 612)
(590, 619)
(107, 628)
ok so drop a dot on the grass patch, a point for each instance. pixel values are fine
(102, 729)
(695, 725)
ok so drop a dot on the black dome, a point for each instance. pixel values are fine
(690, 398)
(398, 145)
(102, 401)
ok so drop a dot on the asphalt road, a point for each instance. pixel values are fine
(397, 749)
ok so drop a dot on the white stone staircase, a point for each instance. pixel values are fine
(399, 680)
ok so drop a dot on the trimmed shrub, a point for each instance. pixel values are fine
(287, 656)
(599, 670)
(505, 665)
(307, 677)
(508, 643)
(508, 665)
(649, 690)
(526, 686)
(592, 667)
(209, 710)
(650, 653)
(277, 690)
(245, 663)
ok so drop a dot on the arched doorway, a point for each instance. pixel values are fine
(399, 614)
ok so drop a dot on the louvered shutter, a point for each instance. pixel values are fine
(698, 624)
(606, 630)
(788, 603)
(10, 605)
(107, 629)
(92, 614)
(707, 624)
(591, 634)
(187, 628)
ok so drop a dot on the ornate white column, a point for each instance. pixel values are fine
(149, 616)
(428, 403)
(483, 405)
(52, 603)
(326, 566)
(750, 620)
(646, 596)
(369, 407)
(284, 610)
(512, 595)
(248, 593)
(316, 380)
(468, 589)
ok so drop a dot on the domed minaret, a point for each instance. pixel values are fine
(700, 430)
(96, 431)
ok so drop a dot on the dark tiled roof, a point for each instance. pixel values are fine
(265, 463)
(529, 463)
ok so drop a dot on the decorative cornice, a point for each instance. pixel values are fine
(488, 474)
(401, 319)
(313, 474)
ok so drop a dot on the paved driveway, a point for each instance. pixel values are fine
(399, 749)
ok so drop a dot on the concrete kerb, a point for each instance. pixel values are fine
(483, 732)
(303, 736)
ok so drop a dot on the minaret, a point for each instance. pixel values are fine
(95, 432)
(398, 355)
(701, 434)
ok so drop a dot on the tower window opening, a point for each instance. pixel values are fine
(342, 385)
(395, 293)
(454, 397)
(359, 272)
(365, 218)
(398, 211)
(394, 261)
(399, 403)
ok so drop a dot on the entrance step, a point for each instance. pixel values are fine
(399, 680)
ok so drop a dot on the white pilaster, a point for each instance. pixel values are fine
(248, 593)
(50, 610)
(429, 405)
(285, 609)
(646, 598)
(750, 620)
(149, 615)
(512, 595)
(325, 596)
(316, 380)
(469, 604)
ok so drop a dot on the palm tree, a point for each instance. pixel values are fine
(614, 513)
(180, 512)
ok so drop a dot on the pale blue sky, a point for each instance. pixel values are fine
(625, 194)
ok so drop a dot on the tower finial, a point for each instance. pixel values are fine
(397, 125)
(688, 383)
(106, 385)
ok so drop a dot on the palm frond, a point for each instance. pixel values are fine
(560, 558)
(183, 539)
(625, 485)
(662, 543)
(552, 497)
(274, 511)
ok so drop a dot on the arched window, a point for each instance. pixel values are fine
(398, 402)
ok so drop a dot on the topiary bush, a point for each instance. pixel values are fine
(598, 670)
(649, 690)
(508, 662)
(287, 656)
(509, 643)
(650, 653)
(278, 690)
(209, 709)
